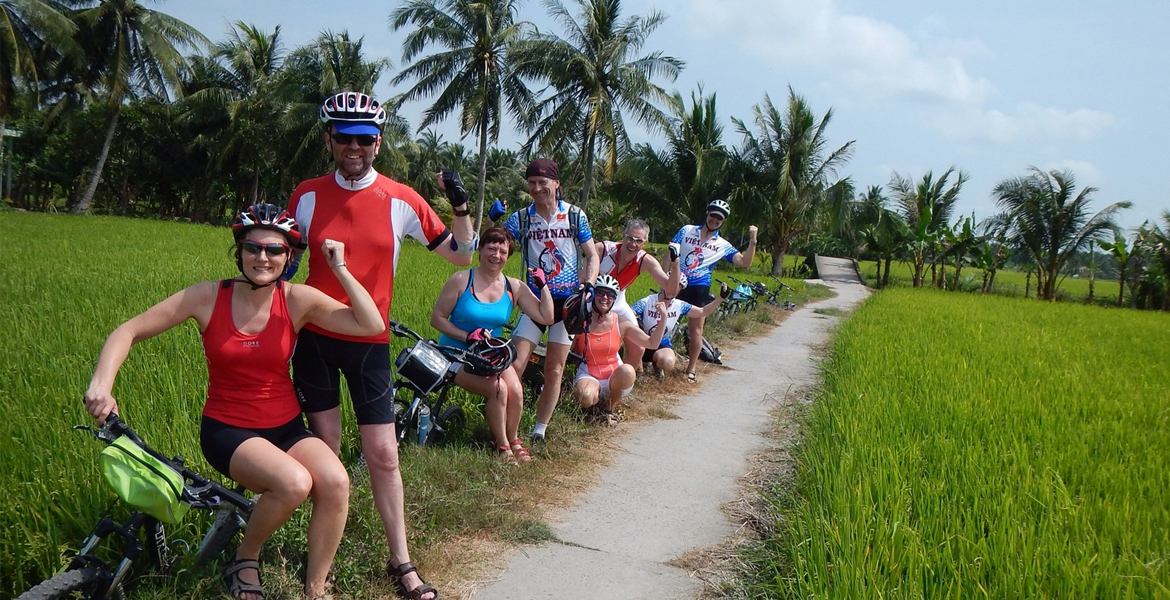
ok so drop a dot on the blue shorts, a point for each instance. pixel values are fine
(320, 361)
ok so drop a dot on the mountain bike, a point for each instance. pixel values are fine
(775, 299)
(88, 576)
(426, 370)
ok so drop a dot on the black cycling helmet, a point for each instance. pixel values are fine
(267, 216)
(489, 357)
(578, 314)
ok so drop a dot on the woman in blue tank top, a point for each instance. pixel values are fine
(475, 304)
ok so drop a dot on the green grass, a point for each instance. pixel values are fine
(968, 447)
(1007, 282)
(68, 281)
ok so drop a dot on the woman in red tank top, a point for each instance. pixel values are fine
(603, 379)
(252, 429)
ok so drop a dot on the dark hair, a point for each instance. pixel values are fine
(497, 235)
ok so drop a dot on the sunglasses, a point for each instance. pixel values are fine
(605, 294)
(635, 240)
(363, 140)
(274, 249)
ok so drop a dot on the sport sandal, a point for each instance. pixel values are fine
(506, 455)
(404, 569)
(238, 587)
(522, 454)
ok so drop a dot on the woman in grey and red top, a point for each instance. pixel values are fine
(252, 429)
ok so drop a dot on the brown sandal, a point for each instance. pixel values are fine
(236, 586)
(404, 569)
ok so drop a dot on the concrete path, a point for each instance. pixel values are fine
(843, 270)
(662, 496)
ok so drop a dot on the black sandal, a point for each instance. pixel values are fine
(404, 569)
(236, 586)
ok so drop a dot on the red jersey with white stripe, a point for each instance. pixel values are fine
(609, 265)
(248, 381)
(371, 216)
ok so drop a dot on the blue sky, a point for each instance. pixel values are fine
(990, 87)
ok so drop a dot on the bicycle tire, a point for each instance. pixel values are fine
(223, 530)
(76, 583)
(448, 419)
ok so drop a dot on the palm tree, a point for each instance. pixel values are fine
(128, 49)
(28, 28)
(594, 77)
(1122, 252)
(673, 186)
(927, 206)
(1051, 220)
(789, 171)
(472, 71)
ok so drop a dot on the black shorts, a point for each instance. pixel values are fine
(219, 441)
(320, 361)
(648, 353)
(696, 295)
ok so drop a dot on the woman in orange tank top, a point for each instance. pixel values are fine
(252, 429)
(602, 380)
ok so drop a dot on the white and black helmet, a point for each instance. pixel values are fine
(353, 113)
(606, 282)
(719, 206)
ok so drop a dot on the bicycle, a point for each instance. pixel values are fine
(426, 369)
(90, 577)
(533, 375)
(785, 303)
(745, 292)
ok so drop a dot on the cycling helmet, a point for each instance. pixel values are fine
(606, 282)
(489, 357)
(719, 206)
(267, 216)
(353, 113)
(577, 314)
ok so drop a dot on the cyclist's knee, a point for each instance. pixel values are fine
(331, 484)
(381, 454)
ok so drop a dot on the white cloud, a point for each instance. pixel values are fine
(1085, 172)
(1029, 122)
(864, 56)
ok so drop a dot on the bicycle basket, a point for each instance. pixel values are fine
(422, 366)
(143, 481)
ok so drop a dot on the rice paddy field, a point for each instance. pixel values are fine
(1007, 283)
(970, 446)
(67, 281)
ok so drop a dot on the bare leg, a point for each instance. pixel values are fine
(695, 331)
(495, 409)
(284, 484)
(621, 379)
(327, 426)
(588, 392)
(515, 409)
(380, 447)
(330, 496)
(664, 359)
(554, 368)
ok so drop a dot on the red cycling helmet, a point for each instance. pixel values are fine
(267, 216)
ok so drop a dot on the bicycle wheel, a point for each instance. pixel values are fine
(219, 535)
(445, 424)
(77, 583)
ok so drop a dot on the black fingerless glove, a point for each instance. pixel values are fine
(456, 194)
(724, 291)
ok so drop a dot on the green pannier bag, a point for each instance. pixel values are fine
(143, 481)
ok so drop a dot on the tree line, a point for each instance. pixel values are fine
(122, 109)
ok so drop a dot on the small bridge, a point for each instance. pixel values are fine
(842, 270)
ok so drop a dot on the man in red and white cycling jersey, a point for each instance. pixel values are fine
(372, 214)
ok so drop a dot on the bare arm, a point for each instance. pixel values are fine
(194, 302)
(445, 305)
(744, 259)
(633, 333)
(318, 308)
(592, 262)
(667, 282)
(703, 311)
(538, 309)
(460, 251)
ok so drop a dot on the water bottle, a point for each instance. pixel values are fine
(424, 423)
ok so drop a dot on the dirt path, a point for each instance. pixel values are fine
(661, 497)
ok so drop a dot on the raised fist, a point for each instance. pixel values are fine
(675, 249)
(539, 279)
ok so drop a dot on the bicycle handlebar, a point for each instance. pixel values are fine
(200, 493)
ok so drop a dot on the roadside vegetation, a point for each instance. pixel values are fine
(969, 447)
(68, 281)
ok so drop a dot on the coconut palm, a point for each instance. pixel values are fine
(674, 185)
(471, 71)
(28, 28)
(595, 77)
(128, 50)
(1052, 220)
(790, 171)
(927, 205)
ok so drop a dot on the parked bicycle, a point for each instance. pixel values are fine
(533, 375)
(161, 490)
